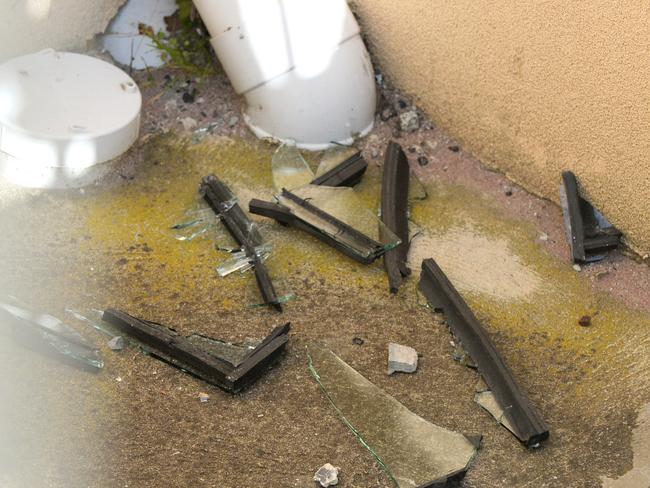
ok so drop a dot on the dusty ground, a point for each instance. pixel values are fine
(139, 422)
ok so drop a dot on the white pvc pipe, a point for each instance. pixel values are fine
(300, 64)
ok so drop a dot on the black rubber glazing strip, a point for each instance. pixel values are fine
(526, 422)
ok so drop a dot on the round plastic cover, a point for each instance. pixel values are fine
(66, 110)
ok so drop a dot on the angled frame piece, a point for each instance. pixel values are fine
(225, 205)
(588, 232)
(175, 349)
(394, 213)
(347, 173)
(528, 425)
(283, 215)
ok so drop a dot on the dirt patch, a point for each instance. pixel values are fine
(476, 263)
(639, 475)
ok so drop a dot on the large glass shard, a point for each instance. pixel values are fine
(62, 338)
(290, 170)
(412, 451)
(344, 205)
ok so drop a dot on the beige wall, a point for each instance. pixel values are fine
(533, 87)
(32, 25)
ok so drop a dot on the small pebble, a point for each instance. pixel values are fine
(508, 191)
(327, 475)
(203, 397)
(116, 343)
(387, 114)
(188, 97)
(232, 122)
(601, 274)
(543, 237)
(171, 105)
(423, 161)
(577, 267)
(431, 145)
(454, 148)
(358, 341)
(374, 153)
(189, 123)
(409, 121)
(585, 321)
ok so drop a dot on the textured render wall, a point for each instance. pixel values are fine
(533, 87)
(31, 25)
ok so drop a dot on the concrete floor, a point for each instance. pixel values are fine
(139, 422)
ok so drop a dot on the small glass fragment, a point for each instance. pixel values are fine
(241, 261)
(281, 299)
(412, 451)
(202, 132)
(290, 170)
(198, 222)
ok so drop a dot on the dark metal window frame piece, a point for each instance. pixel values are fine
(394, 212)
(284, 216)
(528, 425)
(175, 349)
(348, 173)
(587, 239)
(222, 201)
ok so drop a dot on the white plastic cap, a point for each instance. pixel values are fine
(64, 110)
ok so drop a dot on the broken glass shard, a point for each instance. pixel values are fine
(196, 222)
(233, 353)
(62, 338)
(333, 157)
(412, 451)
(94, 324)
(201, 133)
(417, 190)
(290, 170)
(488, 401)
(241, 261)
(344, 205)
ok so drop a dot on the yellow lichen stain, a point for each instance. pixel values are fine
(561, 296)
(129, 223)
